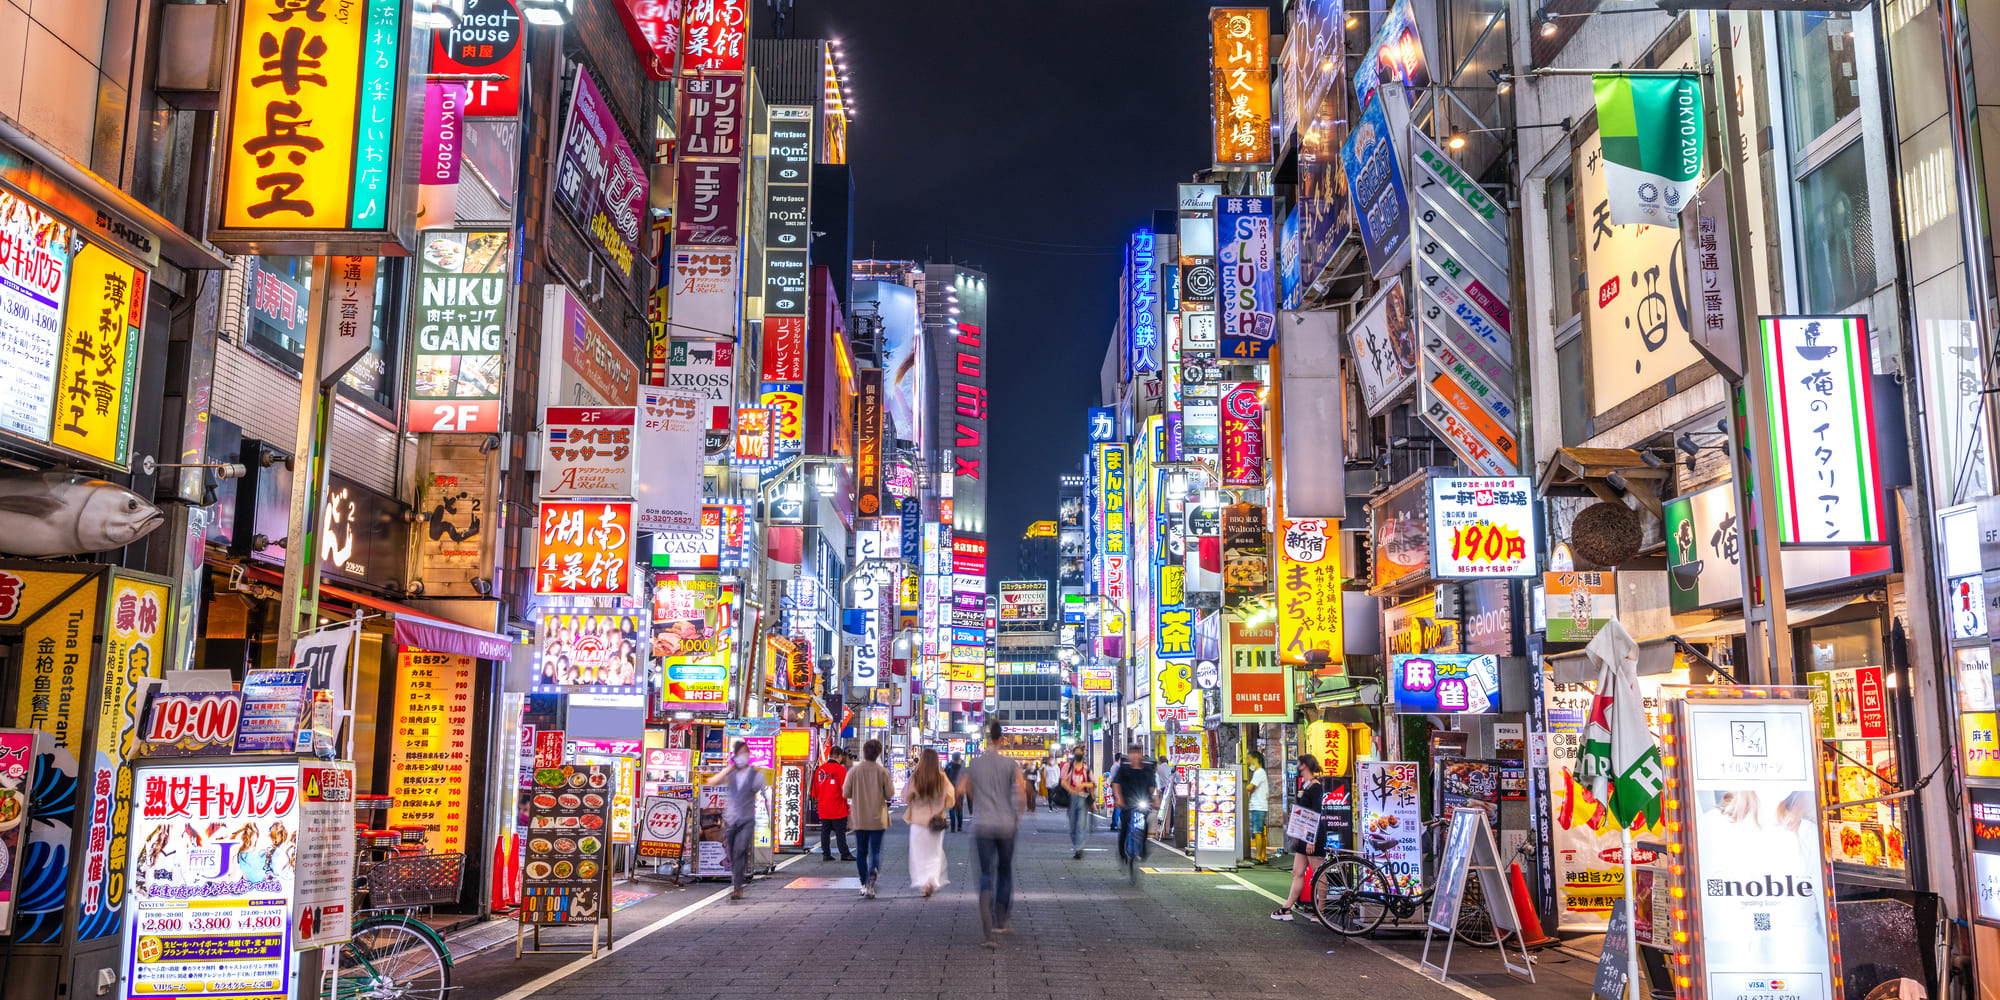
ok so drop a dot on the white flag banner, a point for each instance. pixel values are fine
(671, 427)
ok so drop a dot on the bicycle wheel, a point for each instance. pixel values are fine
(1475, 924)
(1349, 894)
(393, 959)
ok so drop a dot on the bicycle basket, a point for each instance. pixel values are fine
(424, 880)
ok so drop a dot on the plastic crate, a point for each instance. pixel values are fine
(424, 880)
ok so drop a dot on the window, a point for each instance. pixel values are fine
(1573, 402)
(1855, 692)
(280, 289)
(1829, 141)
(1565, 274)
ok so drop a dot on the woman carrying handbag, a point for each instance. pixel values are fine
(930, 799)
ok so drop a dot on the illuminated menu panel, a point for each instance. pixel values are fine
(430, 760)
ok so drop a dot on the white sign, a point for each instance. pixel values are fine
(1198, 332)
(34, 282)
(703, 290)
(868, 654)
(1637, 338)
(323, 911)
(1482, 528)
(1024, 600)
(1762, 912)
(588, 451)
(1385, 350)
(1822, 430)
(671, 426)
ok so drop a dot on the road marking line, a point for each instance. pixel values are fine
(551, 978)
(1459, 988)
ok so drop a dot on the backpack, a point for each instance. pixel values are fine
(1059, 796)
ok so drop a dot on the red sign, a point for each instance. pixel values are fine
(755, 428)
(548, 749)
(654, 27)
(707, 203)
(712, 118)
(586, 549)
(1870, 704)
(715, 35)
(784, 349)
(487, 40)
(1242, 434)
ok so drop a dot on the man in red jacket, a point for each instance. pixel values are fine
(827, 781)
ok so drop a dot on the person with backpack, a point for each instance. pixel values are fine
(1076, 784)
(827, 781)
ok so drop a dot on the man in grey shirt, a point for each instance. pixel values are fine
(741, 785)
(999, 795)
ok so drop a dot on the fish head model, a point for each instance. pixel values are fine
(65, 514)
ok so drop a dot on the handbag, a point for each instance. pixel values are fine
(1059, 797)
(938, 823)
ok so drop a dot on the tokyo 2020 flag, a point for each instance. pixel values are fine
(1651, 127)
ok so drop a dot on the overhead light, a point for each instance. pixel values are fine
(1502, 81)
(1545, 22)
(1456, 141)
(1352, 20)
(548, 13)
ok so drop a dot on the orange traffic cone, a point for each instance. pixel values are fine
(1532, 935)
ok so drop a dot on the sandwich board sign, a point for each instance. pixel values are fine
(1469, 850)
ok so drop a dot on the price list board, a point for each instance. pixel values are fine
(565, 863)
(430, 762)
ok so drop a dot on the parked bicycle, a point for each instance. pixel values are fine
(394, 954)
(1352, 896)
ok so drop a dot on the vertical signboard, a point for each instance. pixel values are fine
(599, 182)
(1823, 430)
(1256, 686)
(1385, 348)
(1242, 406)
(1246, 250)
(865, 670)
(1761, 923)
(708, 370)
(868, 450)
(456, 372)
(1240, 64)
(1142, 302)
(671, 429)
(1462, 274)
(34, 283)
(1638, 336)
(487, 40)
(587, 451)
(1375, 184)
(430, 760)
(100, 357)
(1309, 590)
(715, 36)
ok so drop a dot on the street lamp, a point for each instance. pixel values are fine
(548, 13)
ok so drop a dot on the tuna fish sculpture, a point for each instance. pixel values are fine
(66, 513)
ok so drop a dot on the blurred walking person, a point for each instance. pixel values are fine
(951, 773)
(999, 794)
(741, 785)
(832, 804)
(1051, 778)
(930, 798)
(1076, 779)
(869, 789)
(1029, 776)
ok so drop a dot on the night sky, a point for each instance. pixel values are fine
(1028, 140)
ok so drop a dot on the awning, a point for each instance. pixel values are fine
(1656, 653)
(415, 628)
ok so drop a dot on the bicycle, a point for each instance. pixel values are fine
(1352, 896)
(1135, 840)
(393, 955)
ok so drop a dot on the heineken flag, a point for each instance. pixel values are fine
(1619, 757)
(1651, 127)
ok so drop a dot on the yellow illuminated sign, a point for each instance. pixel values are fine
(292, 115)
(100, 356)
(1309, 590)
(1240, 48)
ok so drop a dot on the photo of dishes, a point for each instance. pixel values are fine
(565, 866)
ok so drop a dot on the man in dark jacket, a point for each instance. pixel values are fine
(951, 773)
(827, 782)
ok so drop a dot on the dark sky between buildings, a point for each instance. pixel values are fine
(1028, 140)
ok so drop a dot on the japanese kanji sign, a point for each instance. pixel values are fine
(599, 182)
(1637, 308)
(100, 356)
(463, 281)
(1309, 589)
(1111, 494)
(714, 117)
(312, 120)
(715, 35)
(588, 451)
(1242, 434)
(1482, 528)
(1240, 60)
(586, 548)
(486, 40)
(1822, 429)
(1433, 683)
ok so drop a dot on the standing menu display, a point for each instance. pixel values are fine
(430, 760)
(565, 866)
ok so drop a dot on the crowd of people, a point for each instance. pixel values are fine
(993, 791)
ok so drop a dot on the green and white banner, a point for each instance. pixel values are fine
(1651, 127)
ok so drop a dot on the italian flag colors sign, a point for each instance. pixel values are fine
(1822, 410)
(1651, 128)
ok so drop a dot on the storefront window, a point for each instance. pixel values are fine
(1851, 691)
(279, 292)
(1829, 157)
(1563, 265)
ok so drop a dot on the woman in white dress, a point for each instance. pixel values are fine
(930, 798)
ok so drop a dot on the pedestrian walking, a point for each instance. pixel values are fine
(832, 804)
(868, 789)
(1310, 796)
(999, 794)
(741, 785)
(930, 798)
(951, 773)
(1256, 802)
(1051, 779)
(1081, 785)
(1028, 779)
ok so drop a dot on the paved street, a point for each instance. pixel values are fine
(1079, 931)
